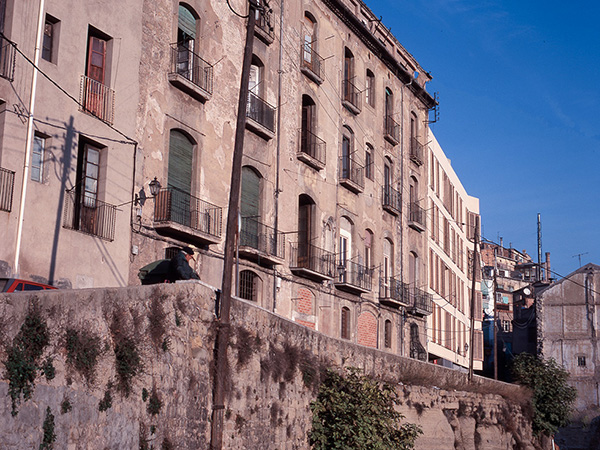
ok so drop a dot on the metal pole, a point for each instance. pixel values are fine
(495, 286)
(473, 293)
(222, 334)
(539, 246)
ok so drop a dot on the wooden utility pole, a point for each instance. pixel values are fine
(475, 268)
(223, 330)
(495, 287)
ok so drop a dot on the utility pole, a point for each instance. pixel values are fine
(223, 325)
(495, 287)
(539, 247)
(475, 267)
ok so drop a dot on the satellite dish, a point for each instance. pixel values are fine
(527, 291)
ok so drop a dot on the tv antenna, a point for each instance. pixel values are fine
(579, 255)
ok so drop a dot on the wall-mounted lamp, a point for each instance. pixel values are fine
(154, 187)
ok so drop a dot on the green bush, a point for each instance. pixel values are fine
(48, 427)
(354, 412)
(83, 351)
(553, 397)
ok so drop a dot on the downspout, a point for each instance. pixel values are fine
(29, 142)
(402, 178)
(277, 190)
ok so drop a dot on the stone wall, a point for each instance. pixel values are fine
(274, 367)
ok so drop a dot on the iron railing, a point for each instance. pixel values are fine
(417, 214)
(392, 129)
(7, 184)
(391, 199)
(350, 170)
(7, 59)
(416, 151)
(354, 274)
(351, 94)
(391, 288)
(90, 216)
(260, 111)
(192, 67)
(312, 145)
(422, 301)
(97, 99)
(263, 22)
(174, 205)
(309, 257)
(262, 237)
(311, 59)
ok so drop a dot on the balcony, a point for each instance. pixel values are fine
(190, 73)
(352, 175)
(7, 59)
(7, 184)
(187, 218)
(393, 292)
(416, 217)
(353, 277)
(263, 28)
(391, 200)
(416, 151)
(421, 302)
(89, 216)
(97, 99)
(391, 130)
(312, 150)
(312, 262)
(311, 63)
(260, 242)
(351, 97)
(260, 117)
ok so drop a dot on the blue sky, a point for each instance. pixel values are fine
(519, 93)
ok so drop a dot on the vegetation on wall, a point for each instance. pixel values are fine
(353, 411)
(83, 351)
(553, 397)
(48, 427)
(23, 357)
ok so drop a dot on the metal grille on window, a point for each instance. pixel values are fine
(248, 285)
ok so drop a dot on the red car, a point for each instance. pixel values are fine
(16, 285)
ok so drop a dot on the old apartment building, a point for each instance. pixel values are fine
(130, 147)
(451, 254)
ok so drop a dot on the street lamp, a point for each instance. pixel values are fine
(154, 187)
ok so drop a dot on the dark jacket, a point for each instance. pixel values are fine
(179, 269)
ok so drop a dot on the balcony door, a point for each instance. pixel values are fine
(250, 208)
(186, 40)
(179, 179)
(307, 140)
(305, 209)
(345, 249)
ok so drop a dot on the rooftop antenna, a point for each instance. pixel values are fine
(539, 245)
(579, 255)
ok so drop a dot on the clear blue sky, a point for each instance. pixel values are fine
(519, 93)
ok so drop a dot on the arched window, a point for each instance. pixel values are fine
(181, 155)
(370, 88)
(345, 323)
(349, 91)
(389, 103)
(347, 150)
(368, 249)
(305, 230)
(249, 282)
(310, 40)
(387, 173)
(388, 260)
(187, 30)
(369, 161)
(255, 82)
(307, 135)
(387, 334)
(413, 270)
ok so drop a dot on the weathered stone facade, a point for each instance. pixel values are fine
(273, 376)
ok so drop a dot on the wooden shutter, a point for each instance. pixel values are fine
(186, 24)
(96, 59)
(181, 152)
(249, 206)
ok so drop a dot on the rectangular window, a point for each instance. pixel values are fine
(37, 158)
(50, 40)
(581, 361)
(369, 163)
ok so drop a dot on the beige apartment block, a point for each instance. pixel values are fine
(451, 244)
(334, 230)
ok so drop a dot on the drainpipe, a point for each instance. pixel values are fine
(402, 200)
(277, 190)
(29, 142)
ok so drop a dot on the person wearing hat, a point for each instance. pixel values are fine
(179, 267)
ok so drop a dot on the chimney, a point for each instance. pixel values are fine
(547, 274)
(501, 242)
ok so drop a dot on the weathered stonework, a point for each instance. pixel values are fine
(274, 367)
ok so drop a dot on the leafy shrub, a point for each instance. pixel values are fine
(48, 427)
(154, 403)
(354, 412)
(553, 397)
(128, 363)
(83, 351)
(106, 401)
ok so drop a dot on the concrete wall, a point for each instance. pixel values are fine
(273, 366)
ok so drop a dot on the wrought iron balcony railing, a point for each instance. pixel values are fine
(391, 130)
(175, 205)
(313, 259)
(7, 59)
(262, 237)
(261, 112)
(394, 291)
(192, 67)
(311, 63)
(422, 302)
(352, 174)
(90, 216)
(7, 184)
(391, 200)
(351, 96)
(417, 216)
(97, 99)
(353, 275)
(264, 26)
(416, 151)
(314, 147)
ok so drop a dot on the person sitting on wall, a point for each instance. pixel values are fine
(179, 267)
